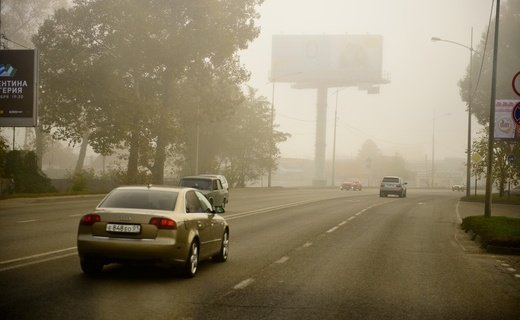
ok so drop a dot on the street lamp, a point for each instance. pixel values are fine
(468, 156)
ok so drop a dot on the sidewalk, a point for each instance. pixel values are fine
(477, 209)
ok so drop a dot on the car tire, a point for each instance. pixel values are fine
(381, 194)
(91, 267)
(192, 262)
(222, 255)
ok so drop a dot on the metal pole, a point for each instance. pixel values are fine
(271, 140)
(489, 172)
(433, 150)
(197, 142)
(470, 98)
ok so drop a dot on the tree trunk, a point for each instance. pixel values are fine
(40, 145)
(133, 157)
(160, 158)
(82, 153)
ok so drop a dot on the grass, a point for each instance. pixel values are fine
(495, 231)
(513, 199)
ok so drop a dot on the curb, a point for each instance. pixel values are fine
(492, 248)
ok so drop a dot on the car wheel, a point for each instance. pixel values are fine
(224, 248)
(381, 194)
(91, 266)
(193, 260)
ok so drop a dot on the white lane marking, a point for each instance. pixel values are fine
(37, 255)
(307, 244)
(458, 242)
(342, 223)
(282, 260)
(244, 284)
(26, 221)
(332, 229)
(517, 276)
(351, 218)
(511, 269)
(459, 219)
(38, 261)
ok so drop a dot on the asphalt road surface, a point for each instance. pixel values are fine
(294, 254)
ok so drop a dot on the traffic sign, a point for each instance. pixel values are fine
(516, 83)
(516, 113)
(510, 159)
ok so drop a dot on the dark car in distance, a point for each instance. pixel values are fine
(351, 184)
(210, 186)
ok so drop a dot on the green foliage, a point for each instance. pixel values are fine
(503, 172)
(79, 180)
(4, 149)
(507, 66)
(249, 144)
(507, 63)
(114, 74)
(497, 231)
(21, 167)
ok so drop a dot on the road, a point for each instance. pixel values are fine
(295, 254)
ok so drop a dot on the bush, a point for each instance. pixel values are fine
(21, 167)
(497, 231)
(79, 181)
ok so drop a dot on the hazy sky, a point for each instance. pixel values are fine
(424, 74)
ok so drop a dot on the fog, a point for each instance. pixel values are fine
(423, 75)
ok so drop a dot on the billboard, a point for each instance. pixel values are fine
(327, 60)
(18, 88)
(506, 127)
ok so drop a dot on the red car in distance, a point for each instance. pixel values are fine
(351, 184)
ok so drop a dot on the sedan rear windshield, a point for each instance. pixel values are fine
(391, 179)
(141, 199)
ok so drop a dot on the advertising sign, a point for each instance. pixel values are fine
(505, 126)
(18, 88)
(330, 60)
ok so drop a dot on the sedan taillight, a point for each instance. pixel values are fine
(163, 223)
(90, 219)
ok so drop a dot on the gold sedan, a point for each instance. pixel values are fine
(176, 226)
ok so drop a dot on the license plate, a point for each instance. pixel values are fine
(124, 228)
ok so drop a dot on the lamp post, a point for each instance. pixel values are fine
(470, 97)
(271, 140)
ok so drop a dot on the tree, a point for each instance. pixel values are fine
(503, 172)
(369, 153)
(128, 60)
(507, 66)
(249, 148)
(20, 21)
